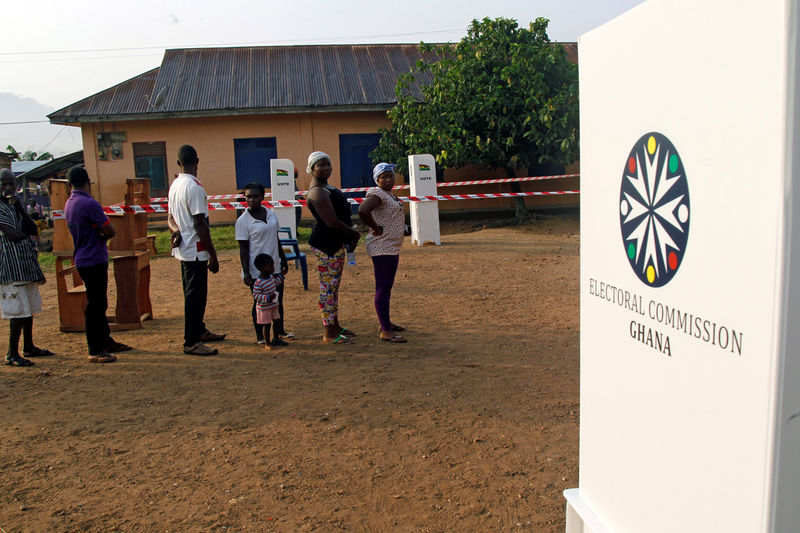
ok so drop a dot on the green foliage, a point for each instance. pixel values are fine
(27, 155)
(503, 97)
(12, 153)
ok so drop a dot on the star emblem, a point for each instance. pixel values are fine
(654, 209)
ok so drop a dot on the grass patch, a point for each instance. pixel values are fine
(224, 238)
(47, 261)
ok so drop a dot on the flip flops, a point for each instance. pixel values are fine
(347, 332)
(37, 352)
(395, 339)
(341, 339)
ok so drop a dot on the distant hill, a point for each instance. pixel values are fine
(58, 140)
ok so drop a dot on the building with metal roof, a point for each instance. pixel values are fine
(240, 107)
(202, 82)
(54, 168)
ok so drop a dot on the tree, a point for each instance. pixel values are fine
(27, 155)
(503, 97)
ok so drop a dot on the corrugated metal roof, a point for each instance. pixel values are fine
(20, 167)
(203, 79)
(54, 166)
(126, 98)
(221, 81)
(277, 78)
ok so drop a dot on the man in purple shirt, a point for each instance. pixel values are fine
(90, 229)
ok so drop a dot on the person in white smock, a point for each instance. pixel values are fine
(257, 233)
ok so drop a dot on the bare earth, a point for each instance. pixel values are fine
(471, 426)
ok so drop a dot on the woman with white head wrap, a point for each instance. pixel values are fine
(382, 212)
(329, 237)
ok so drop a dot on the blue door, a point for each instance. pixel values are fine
(150, 161)
(252, 160)
(357, 166)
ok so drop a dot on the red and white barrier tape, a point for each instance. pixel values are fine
(363, 189)
(222, 206)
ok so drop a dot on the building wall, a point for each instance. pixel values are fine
(296, 135)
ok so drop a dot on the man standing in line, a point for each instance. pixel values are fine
(90, 229)
(20, 274)
(191, 243)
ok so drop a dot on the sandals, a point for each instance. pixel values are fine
(199, 348)
(104, 357)
(341, 339)
(395, 339)
(37, 352)
(16, 360)
(347, 332)
(208, 336)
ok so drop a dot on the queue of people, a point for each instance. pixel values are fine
(262, 258)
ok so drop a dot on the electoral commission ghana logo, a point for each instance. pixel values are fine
(654, 209)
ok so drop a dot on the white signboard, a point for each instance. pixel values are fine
(690, 410)
(424, 215)
(282, 180)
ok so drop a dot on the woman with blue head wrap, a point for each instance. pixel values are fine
(329, 237)
(382, 212)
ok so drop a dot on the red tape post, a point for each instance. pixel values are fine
(398, 187)
(222, 206)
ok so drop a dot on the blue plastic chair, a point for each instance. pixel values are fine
(295, 255)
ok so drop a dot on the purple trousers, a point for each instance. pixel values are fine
(385, 269)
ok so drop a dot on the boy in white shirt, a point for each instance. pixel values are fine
(191, 243)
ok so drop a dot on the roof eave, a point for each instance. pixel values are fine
(76, 120)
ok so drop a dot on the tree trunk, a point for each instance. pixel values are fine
(520, 211)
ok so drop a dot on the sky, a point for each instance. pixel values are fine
(56, 52)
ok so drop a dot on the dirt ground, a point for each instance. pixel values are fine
(471, 426)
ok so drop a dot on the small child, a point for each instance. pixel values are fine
(266, 294)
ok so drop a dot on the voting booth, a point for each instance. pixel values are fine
(424, 215)
(690, 270)
(282, 180)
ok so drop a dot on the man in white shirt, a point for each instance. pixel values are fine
(191, 243)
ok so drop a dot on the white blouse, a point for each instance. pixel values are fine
(389, 215)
